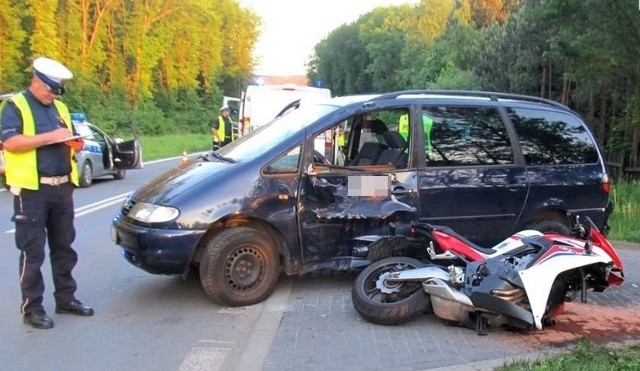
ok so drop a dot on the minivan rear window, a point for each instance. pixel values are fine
(465, 136)
(552, 138)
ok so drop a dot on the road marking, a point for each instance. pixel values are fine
(83, 210)
(87, 209)
(205, 359)
(251, 352)
(2, 189)
(101, 204)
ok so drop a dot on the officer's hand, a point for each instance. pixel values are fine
(58, 135)
(76, 144)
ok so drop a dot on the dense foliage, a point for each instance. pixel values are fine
(163, 65)
(159, 65)
(584, 53)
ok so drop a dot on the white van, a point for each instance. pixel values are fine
(261, 103)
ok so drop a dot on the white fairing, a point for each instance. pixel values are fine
(538, 279)
(514, 241)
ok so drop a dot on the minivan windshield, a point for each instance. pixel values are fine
(268, 136)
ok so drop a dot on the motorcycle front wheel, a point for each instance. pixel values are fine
(389, 303)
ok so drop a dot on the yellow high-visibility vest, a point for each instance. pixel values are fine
(21, 168)
(222, 128)
(427, 123)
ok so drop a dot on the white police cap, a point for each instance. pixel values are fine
(225, 107)
(54, 70)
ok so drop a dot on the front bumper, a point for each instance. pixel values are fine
(157, 251)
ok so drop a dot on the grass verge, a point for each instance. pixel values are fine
(625, 219)
(587, 356)
(173, 145)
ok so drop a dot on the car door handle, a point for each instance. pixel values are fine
(402, 191)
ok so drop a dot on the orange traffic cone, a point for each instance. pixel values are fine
(184, 157)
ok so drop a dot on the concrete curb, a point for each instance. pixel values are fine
(256, 350)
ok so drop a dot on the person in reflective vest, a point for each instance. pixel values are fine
(39, 147)
(427, 122)
(222, 129)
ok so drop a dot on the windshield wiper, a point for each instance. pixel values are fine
(219, 157)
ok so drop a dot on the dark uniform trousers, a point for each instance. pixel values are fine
(45, 215)
(217, 145)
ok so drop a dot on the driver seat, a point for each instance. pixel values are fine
(368, 154)
(394, 155)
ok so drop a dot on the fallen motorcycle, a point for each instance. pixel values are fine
(520, 283)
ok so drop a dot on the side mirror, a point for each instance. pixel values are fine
(118, 140)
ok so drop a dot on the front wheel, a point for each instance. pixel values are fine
(119, 174)
(240, 266)
(86, 175)
(388, 303)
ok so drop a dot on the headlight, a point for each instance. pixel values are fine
(151, 213)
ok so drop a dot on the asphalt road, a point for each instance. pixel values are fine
(151, 322)
(142, 321)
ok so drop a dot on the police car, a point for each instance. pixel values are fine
(102, 155)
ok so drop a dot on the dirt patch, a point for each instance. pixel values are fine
(598, 323)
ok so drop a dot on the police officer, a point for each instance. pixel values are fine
(427, 122)
(222, 129)
(41, 172)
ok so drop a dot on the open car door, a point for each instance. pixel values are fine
(127, 155)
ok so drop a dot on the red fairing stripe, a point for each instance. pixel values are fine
(557, 250)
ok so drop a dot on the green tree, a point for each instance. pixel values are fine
(44, 39)
(451, 61)
(341, 62)
(12, 37)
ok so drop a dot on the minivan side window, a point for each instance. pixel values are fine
(285, 164)
(465, 136)
(373, 139)
(552, 138)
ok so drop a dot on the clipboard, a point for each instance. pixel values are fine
(66, 139)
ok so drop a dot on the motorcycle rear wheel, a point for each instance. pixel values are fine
(389, 304)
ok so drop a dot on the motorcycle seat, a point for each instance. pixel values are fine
(451, 232)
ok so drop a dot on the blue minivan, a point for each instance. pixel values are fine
(485, 164)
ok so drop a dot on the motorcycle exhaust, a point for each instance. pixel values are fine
(434, 282)
(439, 288)
(448, 303)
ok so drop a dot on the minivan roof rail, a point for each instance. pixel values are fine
(471, 93)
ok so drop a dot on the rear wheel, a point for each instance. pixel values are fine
(240, 266)
(387, 303)
(86, 175)
(550, 225)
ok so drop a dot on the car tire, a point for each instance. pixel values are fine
(240, 266)
(549, 224)
(86, 175)
(119, 174)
